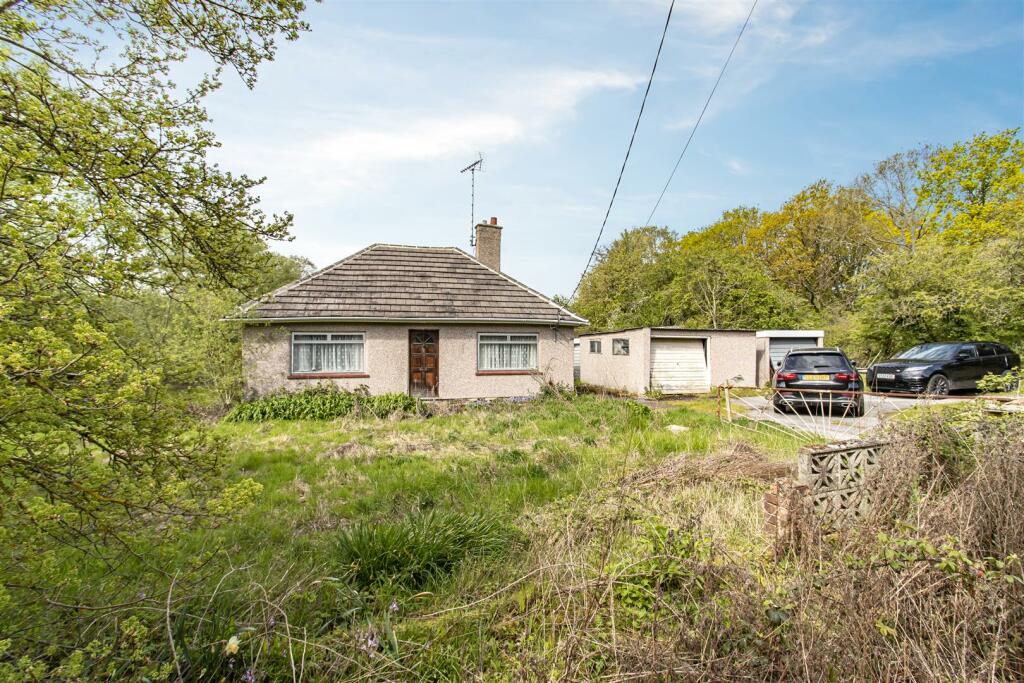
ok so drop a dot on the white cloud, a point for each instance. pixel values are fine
(358, 153)
(418, 140)
(712, 15)
(704, 17)
(737, 166)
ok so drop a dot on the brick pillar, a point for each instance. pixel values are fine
(784, 508)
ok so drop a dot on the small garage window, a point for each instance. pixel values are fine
(595, 346)
(620, 347)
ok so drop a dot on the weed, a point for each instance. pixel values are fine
(414, 551)
(320, 403)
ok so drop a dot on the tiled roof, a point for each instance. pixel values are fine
(391, 282)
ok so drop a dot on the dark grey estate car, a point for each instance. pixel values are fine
(818, 378)
(938, 368)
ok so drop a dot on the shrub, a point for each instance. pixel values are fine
(320, 403)
(927, 584)
(1011, 380)
(412, 551)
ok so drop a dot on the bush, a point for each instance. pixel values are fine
(927, 584)
(417, 549)
(320, 403)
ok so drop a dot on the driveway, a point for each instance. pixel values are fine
(876, 410)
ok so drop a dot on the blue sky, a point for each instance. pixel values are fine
(362, 125)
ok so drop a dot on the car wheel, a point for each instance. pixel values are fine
(938, 385)
(781, 410)
(857, 410)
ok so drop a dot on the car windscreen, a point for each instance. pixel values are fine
(798, 362)
(930, 352)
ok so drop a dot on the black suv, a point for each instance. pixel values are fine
(938, 368)
(827, 377)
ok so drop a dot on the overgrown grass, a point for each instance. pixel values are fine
(428, 512)
(559, 539)
(411, 552)
(320, 403)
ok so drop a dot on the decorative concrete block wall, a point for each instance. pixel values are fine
(832, 484)
(836, 477)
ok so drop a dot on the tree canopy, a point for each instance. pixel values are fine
(924, 246)
(108, 202)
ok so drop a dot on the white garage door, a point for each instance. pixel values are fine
(679, 366)
(778, 347)
(576, 360)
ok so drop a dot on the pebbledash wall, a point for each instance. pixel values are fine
(266, 359)
(630, 374)
(732, 357)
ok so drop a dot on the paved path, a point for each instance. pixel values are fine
(876, 409)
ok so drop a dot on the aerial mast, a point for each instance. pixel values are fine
(477, 165)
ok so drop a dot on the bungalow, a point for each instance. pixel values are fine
(431, 321)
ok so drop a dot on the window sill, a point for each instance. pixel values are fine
(507, 372)
(327, 375)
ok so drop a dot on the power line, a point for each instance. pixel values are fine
(629, 148)
(702, 111)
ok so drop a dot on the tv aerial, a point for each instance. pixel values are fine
(477, 165)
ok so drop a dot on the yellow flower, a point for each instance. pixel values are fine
(232, 647)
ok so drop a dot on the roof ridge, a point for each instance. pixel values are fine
(412, 246)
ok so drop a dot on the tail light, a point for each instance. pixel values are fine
(785, 377)
(847, 376)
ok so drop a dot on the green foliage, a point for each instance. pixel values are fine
(413, 551)
(720, 283)
(1011, 380)
(320, 403)
(975, 189)
(109, 200)
(184, 337)
(927, 246)
(818, 241)
(942, 292)
(625, 287)
(668, 568)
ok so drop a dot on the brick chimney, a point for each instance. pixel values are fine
(488, 244)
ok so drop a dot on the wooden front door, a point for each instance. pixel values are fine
(423, 363)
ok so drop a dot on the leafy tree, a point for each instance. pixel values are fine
(975, 190)
(626, 286)
(184, 334)
(941, 292)
(732, 230)
(893, 188)
(718, 283)
(106, 194)
(818, 241)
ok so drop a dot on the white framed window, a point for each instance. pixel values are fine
(497, 352)
(620, 347)
(595, 346)
(328, 352)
